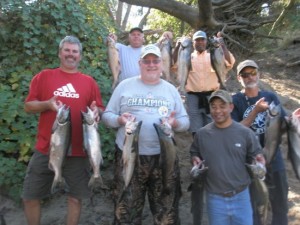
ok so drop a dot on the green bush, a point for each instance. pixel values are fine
(11, 177)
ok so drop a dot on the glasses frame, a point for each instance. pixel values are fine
(252, 74)
(149, 61)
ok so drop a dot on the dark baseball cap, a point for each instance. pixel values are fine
(222, 94)
(136, 29)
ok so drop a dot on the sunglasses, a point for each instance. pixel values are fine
(149, 61)
(246, 75)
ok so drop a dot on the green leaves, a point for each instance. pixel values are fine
(11, 176)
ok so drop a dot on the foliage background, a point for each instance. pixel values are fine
(29, 35)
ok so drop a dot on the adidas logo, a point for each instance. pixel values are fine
(67, 91)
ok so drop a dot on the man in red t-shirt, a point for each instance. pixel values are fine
(49, 90)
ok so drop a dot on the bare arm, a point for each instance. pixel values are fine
(41, 106)
(196, 160)
(260, 106)
(260, 158)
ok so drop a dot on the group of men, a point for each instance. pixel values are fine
(220, 130)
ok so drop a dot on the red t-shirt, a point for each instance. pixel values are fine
(76, 90)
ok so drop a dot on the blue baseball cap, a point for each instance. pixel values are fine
(199, 34)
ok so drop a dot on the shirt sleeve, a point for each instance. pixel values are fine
(33, 89)
(254, 147)
(194, 150)
(112, 111)
(181, 115)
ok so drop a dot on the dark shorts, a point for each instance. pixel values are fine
(39, 178)
(197, 105)
(129, 202)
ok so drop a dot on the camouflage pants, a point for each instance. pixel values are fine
(147, 180)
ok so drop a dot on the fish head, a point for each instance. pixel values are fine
(293, 122)
(214, 42)
(274, 110)
(110, 42)
(63, 114)
(132, 126)
(186, 42)
(198, 171)
(166, 127)
(257, 169)
(88, 117)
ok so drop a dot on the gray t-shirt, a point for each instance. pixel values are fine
(225, 151)
(129, 58)
(147, 103)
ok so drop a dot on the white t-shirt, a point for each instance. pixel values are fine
(129, 58)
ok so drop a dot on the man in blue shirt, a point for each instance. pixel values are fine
(250, 109)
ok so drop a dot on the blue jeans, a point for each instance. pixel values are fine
(235, 210)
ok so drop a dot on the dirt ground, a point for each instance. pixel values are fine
(277, 75)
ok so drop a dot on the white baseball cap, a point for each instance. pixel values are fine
(150, 49)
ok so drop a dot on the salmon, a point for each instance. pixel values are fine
(273, 132)
(198, 174)
(130, 155)
(59, 145)
(183, 61)
(113, 61)
(92, 146)
(165, 46)
(171, 188)
(218, 61)
(259, 191)
(168, 154)
(293, 131)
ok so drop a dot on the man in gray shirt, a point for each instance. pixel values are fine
(225, 145)
(145, 98)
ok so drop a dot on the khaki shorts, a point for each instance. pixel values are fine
(39, 178)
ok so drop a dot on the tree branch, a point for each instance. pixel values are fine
(174, 8)
(282, 14)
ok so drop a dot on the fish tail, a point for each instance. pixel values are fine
(2, 220)
(96, 182)
(58, 185)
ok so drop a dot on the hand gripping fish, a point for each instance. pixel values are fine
(273, 132)
(259, 191)
(293, 131)
(130, 155)
(92, 146)
(59, 145)
(257, 170)
(113, 61)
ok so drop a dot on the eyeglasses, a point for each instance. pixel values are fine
(149, 61)
(246, 75)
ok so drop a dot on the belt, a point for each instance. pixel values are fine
(229, 194)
